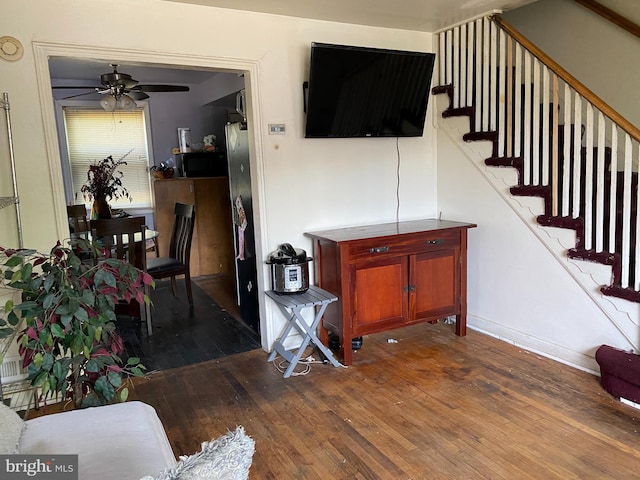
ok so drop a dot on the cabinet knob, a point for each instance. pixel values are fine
(379, 249)
(437, 241)
(409, 288)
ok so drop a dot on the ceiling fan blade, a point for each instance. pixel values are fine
(138, 95)
(163, 88)
(82, 94)
(77, 87)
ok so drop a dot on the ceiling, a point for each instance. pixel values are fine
(420, 15)
(67, 71)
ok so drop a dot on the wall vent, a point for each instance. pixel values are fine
(11, 370)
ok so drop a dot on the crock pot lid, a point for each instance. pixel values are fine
(286, 255)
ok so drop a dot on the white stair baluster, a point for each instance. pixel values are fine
(566, 161)
(526, 115)
(456, 67)
(599, 222)
(485, 75)
(535, 126)
(493, 72)
(588, 180)
(517, 95)
(613, 182)
(626, 210)
(577, 153)
(502, 104)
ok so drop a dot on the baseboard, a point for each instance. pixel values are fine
(558, 353)
(630, 403)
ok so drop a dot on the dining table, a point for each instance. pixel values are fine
(137, 238)
(133, 308)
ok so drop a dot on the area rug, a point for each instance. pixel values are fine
(183, 335)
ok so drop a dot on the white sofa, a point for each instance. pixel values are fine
(123, 441)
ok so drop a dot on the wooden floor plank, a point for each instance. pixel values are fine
(432, 406)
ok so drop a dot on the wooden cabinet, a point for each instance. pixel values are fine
(391, 275)
(212, 246)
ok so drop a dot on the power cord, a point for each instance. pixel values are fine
(281, 364)
(397, 179)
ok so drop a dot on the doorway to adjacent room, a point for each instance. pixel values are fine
(219, 290)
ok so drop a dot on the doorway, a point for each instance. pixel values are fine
(43, 52)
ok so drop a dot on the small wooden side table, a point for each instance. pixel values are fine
(291, 306)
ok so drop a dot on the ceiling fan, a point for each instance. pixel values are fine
(121, 90)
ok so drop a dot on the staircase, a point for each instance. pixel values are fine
(567, 147)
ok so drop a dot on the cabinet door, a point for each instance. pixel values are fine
(214, 225)
(378, 294)
(434, 282)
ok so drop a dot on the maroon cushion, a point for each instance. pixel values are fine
(619, 372)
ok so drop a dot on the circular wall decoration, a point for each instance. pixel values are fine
(11, 49)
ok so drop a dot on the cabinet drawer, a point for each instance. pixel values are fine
(405, 245)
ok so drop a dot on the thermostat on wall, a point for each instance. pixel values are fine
(276, 129)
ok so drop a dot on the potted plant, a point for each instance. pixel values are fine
(104, 182)
(68, 339)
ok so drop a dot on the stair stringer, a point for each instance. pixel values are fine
(589, 276)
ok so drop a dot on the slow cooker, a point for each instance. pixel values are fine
(289, 269)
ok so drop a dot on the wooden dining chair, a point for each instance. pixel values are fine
(78, 220)
(125, 239)
(177, 263)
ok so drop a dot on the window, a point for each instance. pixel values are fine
(93, 134)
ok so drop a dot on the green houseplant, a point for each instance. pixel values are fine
(68, 340)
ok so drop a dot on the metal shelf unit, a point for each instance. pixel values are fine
(18, 391)
(14, 199)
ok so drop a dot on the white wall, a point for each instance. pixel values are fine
(603, 56)
(300, 184)
(170, 111)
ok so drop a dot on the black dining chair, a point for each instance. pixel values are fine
(124, 238)
(177, 263)
(79, 228)
(78, 220)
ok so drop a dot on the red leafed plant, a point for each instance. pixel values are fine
(68, 340)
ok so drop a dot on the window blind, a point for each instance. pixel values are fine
(94, 134)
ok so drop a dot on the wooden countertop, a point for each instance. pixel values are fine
(386, 229)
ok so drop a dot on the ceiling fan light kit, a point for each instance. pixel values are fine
(121, 102)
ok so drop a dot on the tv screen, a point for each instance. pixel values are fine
(367, 92)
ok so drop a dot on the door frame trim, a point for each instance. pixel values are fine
(250, 68)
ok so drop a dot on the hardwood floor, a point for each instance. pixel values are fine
(223, 290)
(184, 335)
(431, 406)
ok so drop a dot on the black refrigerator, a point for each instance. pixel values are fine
(238, 164)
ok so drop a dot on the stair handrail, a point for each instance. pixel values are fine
(614, 17)
(578, 86)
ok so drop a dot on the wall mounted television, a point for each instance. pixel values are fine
(366, 92)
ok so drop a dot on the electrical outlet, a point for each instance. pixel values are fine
(276, 129)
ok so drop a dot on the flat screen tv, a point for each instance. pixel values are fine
(367, 92)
